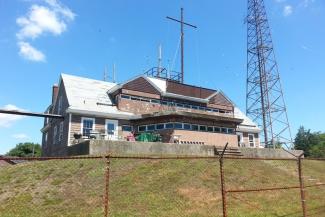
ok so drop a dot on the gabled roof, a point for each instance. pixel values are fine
(89, 95)
(247, 124)
(176, 90)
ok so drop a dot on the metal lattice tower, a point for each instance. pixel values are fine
(265, 104)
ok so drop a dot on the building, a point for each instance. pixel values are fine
(180, 113)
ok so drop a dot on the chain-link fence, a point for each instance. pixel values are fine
(52, 186)
(165, 187)
(161, 186)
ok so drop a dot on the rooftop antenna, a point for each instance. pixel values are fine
(159, 61)
(105, 74)
(182, 40)
(264, 97)
(114, 73)
(168, 69)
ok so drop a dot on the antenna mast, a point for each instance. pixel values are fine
(114, 73)
(182, 40)
(105, 74)
(264, 96)
(159, 61)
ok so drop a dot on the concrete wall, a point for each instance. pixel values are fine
(100, 147)
(97, 147)
(268, 153)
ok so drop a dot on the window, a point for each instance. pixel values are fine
(217, 129)
(202, 108)
(88, 124)
(164, 103)
(160, 126)
(178, 126)
(110, 128)
(155, 101)
(55, 131)
(170, 103)
(61, 131)
(203, 128)
(251, 140)
(135, 98)
(179, 105)
(125, 97)
(169, 126)
(142, 128)
(187, 106)
(231, 131)
(127, 128)
(209, 110)
(151, 127)
(195, 127)
(145, 100)
(224, 130)
(46, 134)
(194, 107)
(187, 126)
(215, 110)
(210, 129)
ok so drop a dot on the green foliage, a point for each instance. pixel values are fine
(313, 144)
(25, 150)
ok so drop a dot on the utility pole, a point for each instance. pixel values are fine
(265, 103)
(182, 40)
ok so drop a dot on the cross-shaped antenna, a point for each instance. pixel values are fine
(182, 40)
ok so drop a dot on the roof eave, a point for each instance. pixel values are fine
(125, 116)
(185, 97)
(193, 115)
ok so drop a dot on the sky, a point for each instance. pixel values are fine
(39, 39)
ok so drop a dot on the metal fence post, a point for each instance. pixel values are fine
(223, 188)
(302, 187)
(106, 196)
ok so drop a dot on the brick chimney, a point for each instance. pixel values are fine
(55, 90)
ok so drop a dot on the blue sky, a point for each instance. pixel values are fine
(39, 39)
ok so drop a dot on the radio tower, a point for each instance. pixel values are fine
(264, 96)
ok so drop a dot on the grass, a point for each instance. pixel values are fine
(158, 188)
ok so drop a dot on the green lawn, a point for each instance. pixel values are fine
(158, 188)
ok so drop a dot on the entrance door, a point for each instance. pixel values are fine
(240, 139)
(112, 129)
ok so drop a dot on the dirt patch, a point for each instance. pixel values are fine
(199, 195)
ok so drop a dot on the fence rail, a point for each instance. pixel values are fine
(115, 185)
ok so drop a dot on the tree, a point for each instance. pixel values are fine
(25, 150)
(313, 144)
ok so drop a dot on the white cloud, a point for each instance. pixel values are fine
(6, 120)
(287, 10)
(30, 53)
(61, 9)
(44, 19)
(20, 136)
(304, 47)
(306, 3)
(49, 18)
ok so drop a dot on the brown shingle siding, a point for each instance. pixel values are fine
(220, 100)
(51, 147)
(142, 85)
(189, 90)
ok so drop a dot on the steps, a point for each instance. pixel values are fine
(231, 152)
